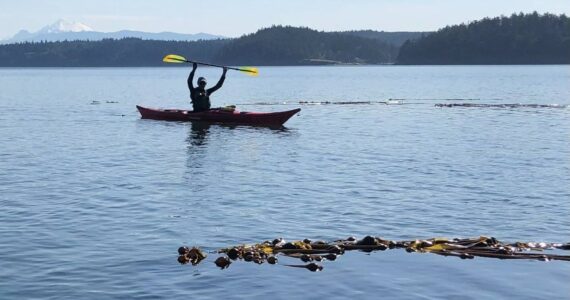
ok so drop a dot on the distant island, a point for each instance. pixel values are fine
(518, 39)
(277, 45)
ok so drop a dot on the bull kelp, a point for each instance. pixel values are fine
(314, 252)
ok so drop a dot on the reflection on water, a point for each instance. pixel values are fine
(197, 142)
(210, 147)
(198, 134)
(198, 139)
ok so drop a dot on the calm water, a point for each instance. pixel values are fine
(94, 201)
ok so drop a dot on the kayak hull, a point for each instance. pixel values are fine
(219, 116)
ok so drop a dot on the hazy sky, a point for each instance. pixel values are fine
(236, 17)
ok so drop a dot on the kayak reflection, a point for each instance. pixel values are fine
(199, 131)
(197, 149)
(202, 135)
(198, 134)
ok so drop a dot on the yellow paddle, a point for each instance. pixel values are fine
(177, 59)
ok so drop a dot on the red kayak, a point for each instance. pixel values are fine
(224, 116)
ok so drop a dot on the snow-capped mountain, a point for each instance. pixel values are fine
(65, 30)
(64, 26)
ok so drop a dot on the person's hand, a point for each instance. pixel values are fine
(194, 66)
(225, 70)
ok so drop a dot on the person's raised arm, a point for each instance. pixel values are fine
(191, 77)
(220, 82)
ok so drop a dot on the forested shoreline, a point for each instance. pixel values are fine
(517, 39)
(277, 45)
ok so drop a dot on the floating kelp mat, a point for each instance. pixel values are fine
(415, 101)
(307, 102)
(313, 253)
(504, 105)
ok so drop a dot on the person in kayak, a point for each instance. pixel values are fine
(200, 95)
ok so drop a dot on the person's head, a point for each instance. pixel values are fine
(202, 82)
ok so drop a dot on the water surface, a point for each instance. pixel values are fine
(94, 201)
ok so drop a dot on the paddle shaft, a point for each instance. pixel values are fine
(219, 66)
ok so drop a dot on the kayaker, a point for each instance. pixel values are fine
(200, 95)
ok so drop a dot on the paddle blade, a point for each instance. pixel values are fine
(251, 71)
(173, 58)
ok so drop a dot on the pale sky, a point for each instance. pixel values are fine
(233, 18)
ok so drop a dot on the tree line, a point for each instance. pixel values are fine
(519, 39)
(105, 53)
(278, 45)
(301, 46)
